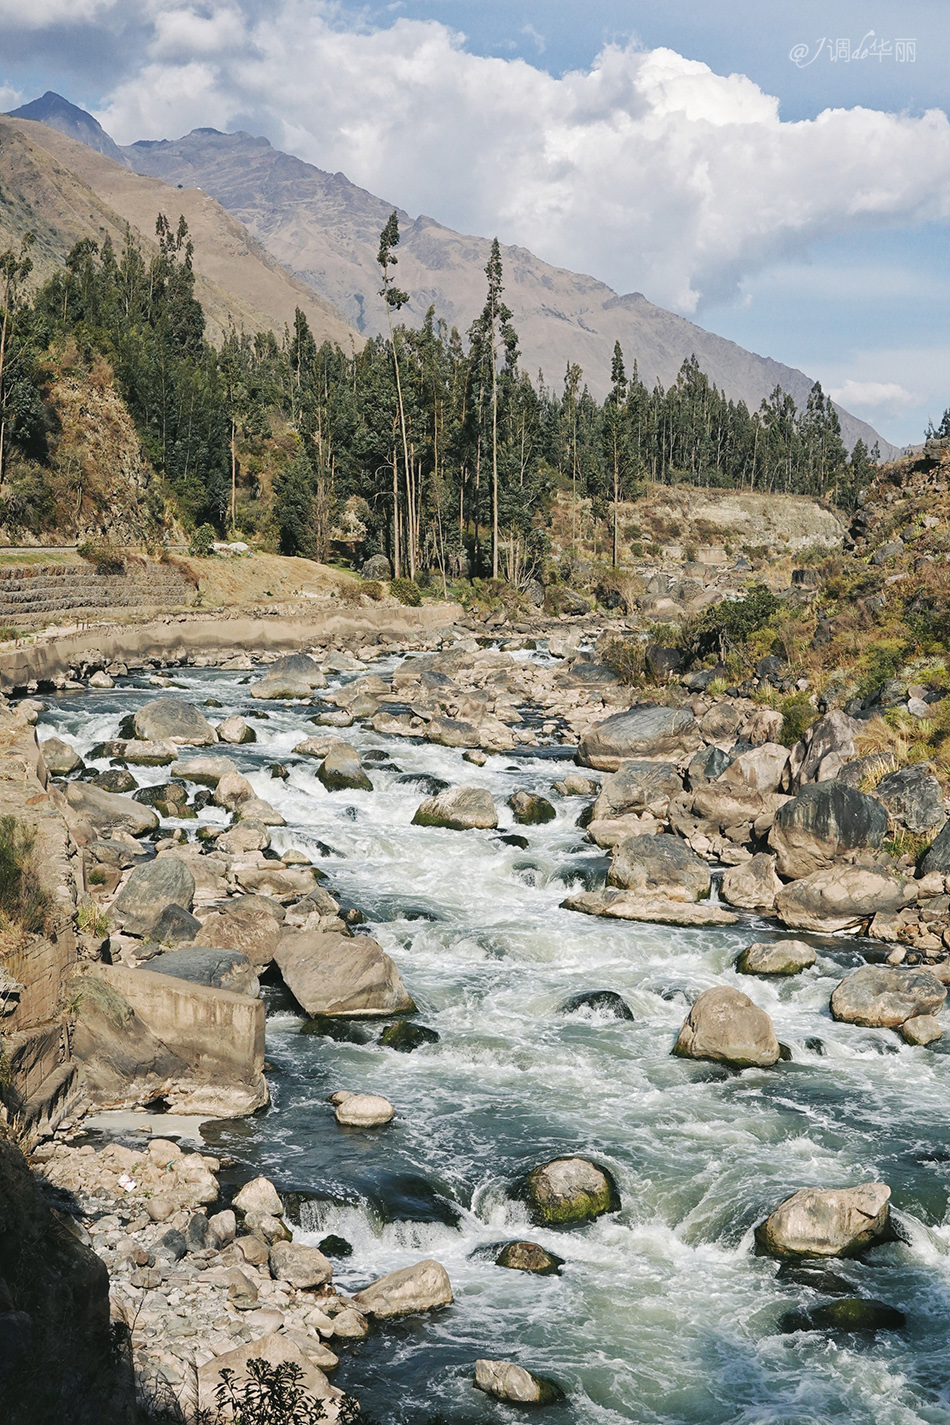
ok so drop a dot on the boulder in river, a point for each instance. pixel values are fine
(207, 771)
(659, 866)
(342, 770)
(405, 1036)
(530, 809)
(567, 1191)
(232, 789)
(507, 1381)
(108, 812)
(761, 768)
(841, 898)
(341, 975)
(849, 1313)
(884, 996)
(529, 1257)
(827, 1222)
(458, 809)
(652, 910)
(421, 1287)
(637, 786)
(822, 825)
(647, 731)
(60, 758)
(259, 1195)
(302, 1266)
(294, 676)
(221, 969)
(602, 1002)
(362, 1110)
(775, 957)
(725, 1025)
(752, 885)
(149, 889)
(247, 924)
(235, 730)
(922, 1029)
(174, 721)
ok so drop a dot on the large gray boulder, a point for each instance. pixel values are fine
(725, 804)
(637, 786)
(147, 892)
(458, 809)
(827, 745)
(884, 996)
(841, 898)
(913, 798)
(752, 885)
(642, 732)
(171, 720)
(60, 758)
(349, 976)
(659, 866)
(827, 1222)
(776, 957)
(294, 676)
(207, 771)
(505, 1380)
(304, 1267)
(245, 925)
(823, 824)
(221, 969)
(109, 812)
(725, 1025)
(567, 1191)
(652, 910)
(937, 857)
(342, 770)
(762, 768)
(421, 1287)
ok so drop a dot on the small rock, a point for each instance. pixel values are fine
(351, 1325)
(363, 1110)
(567, 1191)
(602, 1002)
(725, 1025)
(236, 731)
(530, 809)
(242, 1292)
(259, 1195)
(827, 1222)
(406, 1036)
(304, 1267)
(775, 957)
(884, 996)
(458, 809)
(417, 1288)
(507, 1381)
(222, 1228)
(850, 1313)
(922, 1029)
(528, 1257)
(60, 758)
(341, 770)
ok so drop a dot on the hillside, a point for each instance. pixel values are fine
(63, 191)
(326, 229)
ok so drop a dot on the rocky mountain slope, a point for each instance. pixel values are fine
(62, 190)
(325, 229)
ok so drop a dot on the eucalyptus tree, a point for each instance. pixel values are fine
(395, 300)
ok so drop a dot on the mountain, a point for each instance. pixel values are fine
(62, 190)
(75, 123)
(326, 230)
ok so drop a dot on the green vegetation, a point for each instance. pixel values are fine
(406, 591)
(103, 555)
(200, 545)
(24, 904)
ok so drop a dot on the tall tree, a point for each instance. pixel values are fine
(615, 427)
(15, 268)
(395, 300)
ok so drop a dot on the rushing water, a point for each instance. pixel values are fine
(661, 1313)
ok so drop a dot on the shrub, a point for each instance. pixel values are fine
(406, 591)
(202, 541)
(625, 657)
(373, 589)
(797, 717)
(23, 900)
(103, 555)
(273, 1395)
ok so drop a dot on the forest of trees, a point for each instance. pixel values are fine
(437, 444)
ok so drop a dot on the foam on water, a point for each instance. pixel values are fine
(661, 1313)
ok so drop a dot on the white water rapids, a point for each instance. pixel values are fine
(661, 1313)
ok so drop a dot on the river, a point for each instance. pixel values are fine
(661, 1314)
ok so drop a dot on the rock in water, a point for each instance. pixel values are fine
(60, 758)
(659, 866)
(341, 770)
(348, 975)
(170, 720)
(149, 890)
(775, 957)
(827, 1222)
(822, 825)
(753, 885)
(235, 730)
(259, 1195)
(458, 809)
(304, 1267)
(850, 1313)
(921, 1029)
(642, 732)
(884, 996)
(567, 1191)
(606, 1002)
(841, 898)
(108, 812)
(528, 1257)
(221, 969)
(530, 809)
(362, 1110)
(637, 786)
(725, 1025)
(418, 1288)
(507, 1381)
(406, 1036)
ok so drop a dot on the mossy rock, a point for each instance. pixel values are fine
(405, 1036)
(531, 809)
(334, 1246)
(849, 1313)
(529, 1257)
(566, 1192)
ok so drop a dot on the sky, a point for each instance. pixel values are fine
(779, 173)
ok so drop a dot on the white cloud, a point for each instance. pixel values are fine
(884, 396)
(41, 14)
(647, 169)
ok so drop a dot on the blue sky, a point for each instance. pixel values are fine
(674, 149)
